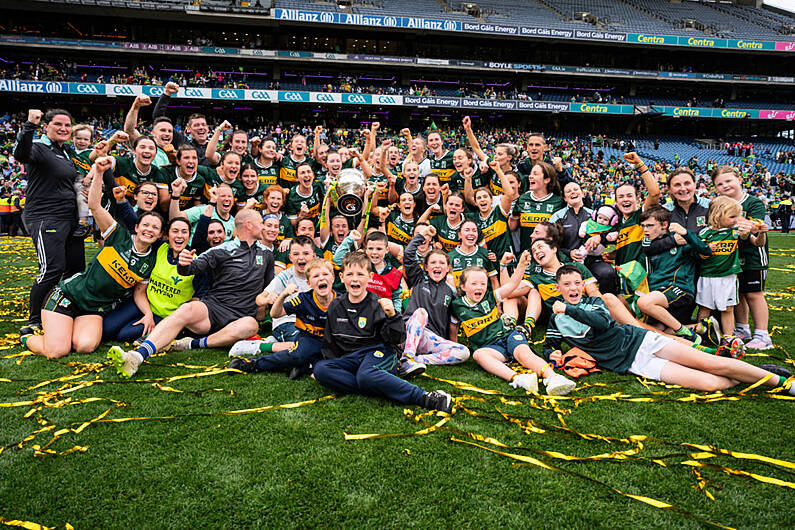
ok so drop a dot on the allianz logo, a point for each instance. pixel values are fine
(53, 88)
(327, 17)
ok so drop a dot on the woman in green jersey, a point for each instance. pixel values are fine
(72, 314)
(238, 143)
(542, 199)
(753, 260)
(165, 292)
(493, 344)
(267, 161)
(251, 190)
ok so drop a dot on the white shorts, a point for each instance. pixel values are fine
(717, 293)
(646, 364)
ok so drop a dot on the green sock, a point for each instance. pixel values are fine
(781, 380)
(266, 347)
(684, 332)
(705, 349)
(24, 340)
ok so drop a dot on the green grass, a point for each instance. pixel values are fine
(293, 468)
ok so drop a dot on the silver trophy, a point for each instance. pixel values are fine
(347, 193)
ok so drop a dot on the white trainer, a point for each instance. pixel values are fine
(245, 347)
(557, 385)
(527, 381)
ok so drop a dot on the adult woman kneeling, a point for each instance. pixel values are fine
(165, 292)
(73, 311)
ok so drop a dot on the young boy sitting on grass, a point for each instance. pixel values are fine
(309, 309)
(585, 323)
(671, 264)
(361, 343)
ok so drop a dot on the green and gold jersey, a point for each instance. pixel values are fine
(383, 194)
(547, 285)
(630, 239)
(242, 196)
(479, 180)
(446, 234)
(312, 201)
(460, 261)
(167, 289)
(531, 211)
(494, 231)
(725, 258)
(285, 229)
(753, 258)
(127, 174)
(196, 185)
(328, 254)
(399, 230)
(400, 188)
(481, 321)
(80, 160)
(287, 170)
(113, 271)
(214, 179)
(443, 167)
(268, 175)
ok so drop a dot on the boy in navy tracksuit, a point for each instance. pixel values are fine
(310, 309)
(362, 341)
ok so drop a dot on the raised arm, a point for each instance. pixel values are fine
(649, 181)
(508, 192)
(131, 120)
(473, 140)
(211, 152)
(317, 143)
(101, 216)
(161, 106)
(23, 150)
(372, 138)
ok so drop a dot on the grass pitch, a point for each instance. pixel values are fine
(184, 461)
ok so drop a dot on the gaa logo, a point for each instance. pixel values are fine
(220, 50)
(123, 90)
(53, 88)
(154, 91)
(259, 94)
(387, 100)
(227, 94)
(84, 88)
(293, 96)
(357, 98)
(328, 98)
(193, 93)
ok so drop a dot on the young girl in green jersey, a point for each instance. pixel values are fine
(717, 285)
(494, 344)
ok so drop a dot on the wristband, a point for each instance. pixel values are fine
(213, 203)
(175, 198)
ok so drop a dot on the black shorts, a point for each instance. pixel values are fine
(58, 302)
(219, 316)
(752, 281)
(680, 304)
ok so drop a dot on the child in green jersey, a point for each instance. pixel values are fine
(753, 260)
(493, 343)
(585, 323)
(717, 285)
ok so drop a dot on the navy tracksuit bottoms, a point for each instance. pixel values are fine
(368, 371)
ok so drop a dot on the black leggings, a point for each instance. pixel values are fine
(60, 256)
(604, 273)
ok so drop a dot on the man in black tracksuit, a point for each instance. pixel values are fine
(51, 209)
(196, 126)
